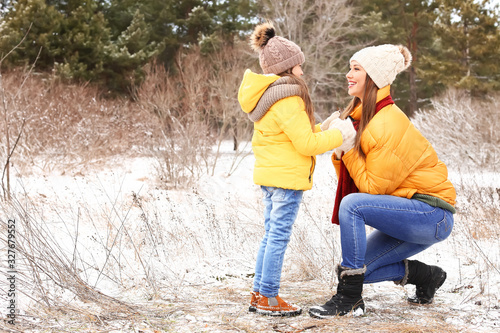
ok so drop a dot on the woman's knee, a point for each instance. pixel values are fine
(351, 202)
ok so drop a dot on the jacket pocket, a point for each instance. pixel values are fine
(444, 227)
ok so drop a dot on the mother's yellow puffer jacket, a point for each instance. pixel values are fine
(399, 159)
(283, 141)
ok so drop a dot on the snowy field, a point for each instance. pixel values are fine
(107, 249)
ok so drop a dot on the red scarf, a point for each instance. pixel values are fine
(346, 184)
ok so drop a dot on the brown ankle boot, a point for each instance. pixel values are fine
(275, 306)
(253, 301)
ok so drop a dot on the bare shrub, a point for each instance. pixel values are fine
(9, 107)
(197, 109)
(463, 132)
(183, 145)
(67, 126)
(178, 118)
(232, 122)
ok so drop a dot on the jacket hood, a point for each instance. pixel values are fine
(252, 88)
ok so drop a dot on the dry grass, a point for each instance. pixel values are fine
(70, 126)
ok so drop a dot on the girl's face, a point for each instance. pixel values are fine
(356, 79)
(297, 70)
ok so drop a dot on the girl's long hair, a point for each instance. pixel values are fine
(304, 94)
(368, 110)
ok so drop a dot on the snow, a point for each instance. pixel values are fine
(189, 254)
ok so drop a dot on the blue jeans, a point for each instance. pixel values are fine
(404, 227)
(281, 207)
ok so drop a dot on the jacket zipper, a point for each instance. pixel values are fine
(313, 166)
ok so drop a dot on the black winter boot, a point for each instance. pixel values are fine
(427, 279)
(348, 297)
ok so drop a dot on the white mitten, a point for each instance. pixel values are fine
(324, 126)
(348, 135)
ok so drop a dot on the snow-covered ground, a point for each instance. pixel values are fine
(187, 256)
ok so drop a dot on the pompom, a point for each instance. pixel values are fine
(406, 55)
(261, 35)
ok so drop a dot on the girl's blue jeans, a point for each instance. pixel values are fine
(404, 227)
(281, 207)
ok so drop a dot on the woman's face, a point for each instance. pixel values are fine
(297, 70)
(356, 79)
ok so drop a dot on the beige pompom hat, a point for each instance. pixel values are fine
(276, 54)
(383, 62)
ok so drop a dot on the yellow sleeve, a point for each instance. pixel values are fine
(293, 120)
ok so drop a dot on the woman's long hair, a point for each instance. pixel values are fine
(304, 94)
(368, 110)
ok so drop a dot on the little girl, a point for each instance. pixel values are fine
(285, 142)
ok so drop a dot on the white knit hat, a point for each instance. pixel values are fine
(382, 63)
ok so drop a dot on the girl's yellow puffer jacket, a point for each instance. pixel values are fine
(399, 159)
(283, 142)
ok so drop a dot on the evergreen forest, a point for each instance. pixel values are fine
(108, 43)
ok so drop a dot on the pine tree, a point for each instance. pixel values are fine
(40, 25)
(411, 24)
(128, 54)
(469, 38)
(83, 41)
(179, 23)
(74, 38)
(109, 41)
(4, 6)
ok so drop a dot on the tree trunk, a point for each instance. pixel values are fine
(413, 92)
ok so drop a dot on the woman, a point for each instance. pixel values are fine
(398, 186)
(285, 142)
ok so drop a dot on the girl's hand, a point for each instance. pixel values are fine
(324, 126)
(348, 135)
